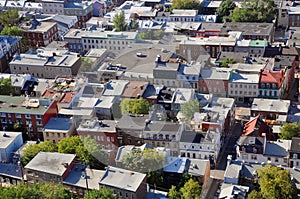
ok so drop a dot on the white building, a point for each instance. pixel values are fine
(243, 87)
(9, 143)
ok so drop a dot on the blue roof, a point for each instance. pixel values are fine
(56, 123)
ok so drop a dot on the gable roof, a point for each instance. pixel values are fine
(257, 127)
(269, 76)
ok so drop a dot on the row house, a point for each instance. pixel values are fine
(271, 84)
(48, 167)
(214, 81)
(200, 145)
(177, 15)
(53, 7)
(31, 113)
(9, 46)
(46, 64)
(254, 48)
(82, 41)
(40, 33)
(243, 87)
(163, 134)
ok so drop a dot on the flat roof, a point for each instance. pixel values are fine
(49, 162)
(76, 177)
(176, 165)
(271, 105)
(106, 126)
(14, 104)
(58, 124)
(42, 27)
(5, 141)
(122, 179)
(244, 78)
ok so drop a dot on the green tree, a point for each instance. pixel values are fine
(276, 183)
(119, 22)
(255, 11)
(289, 130)
(151, 35)
(187, 4)
(254, 195)
(86, 149)
(16, 31)
(190, 108)
(190, 190)
(32, 150)
(135, 106)
(103, 193)
(5, 87)
(9, 17)
(225, 9)
(227, 61)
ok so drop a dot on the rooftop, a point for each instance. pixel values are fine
(115, 87)
(52, 163)
(295, 144)
(244, 78)
(7, 138)
(176, 165)
(58, 124)
(248, 28)
(279, 148)
(122, 179)
(37, 26)
(215, 74)
(106, 126)
(270, 105)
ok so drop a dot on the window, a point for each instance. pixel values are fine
(112, 139)
(47, 134)
(64, 135)
(58, 135)
(107, 139)
(253, 157)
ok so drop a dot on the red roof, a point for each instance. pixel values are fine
(269, 76)
(250, 126)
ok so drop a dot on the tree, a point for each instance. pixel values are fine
(187, 4)
(119, 22)
(5, 87)
(86, 149)
(151, 35)
(103, 193)
(227, 61)
(289, 130)
(254, 195)
(276, 183)
(16, 31)
(190, 190)
(255, 11)
(32, 150)
(225, 9)
(47, 191)
(9, 17)
(135, 106)
(190, 108)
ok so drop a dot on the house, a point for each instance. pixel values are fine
(9, 143)
(46, 63)
(233, 191)
(181, 96)
(163, 134)
(58, 128)
(124, 183)
(214, 81)
(103, 132)
(9, 46)
(81, 178)
(210, 7)
(82, 9)
(200, 170)
(107, 107)
(130, 129)
(53, 7)
(271, 84)
(10, 174)
(269, 109)
(115, 88)
(183, 15)
(134, 89)
(294, 153)
(48, 167)
(40, 33)
(82, 41)
(30, 113)
(293, 14)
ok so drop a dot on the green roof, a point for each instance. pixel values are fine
(258, 43)
(14, 104)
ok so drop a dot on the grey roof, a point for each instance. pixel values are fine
(191, 137)
(105, 102)
(198, 167)
(95, 126)
(248, 28)
(295, 144)
(122, 179)
(162, 127)
(58, 124)
(87, 102)
(132, 122)
(52, 163)
(76, 177)
(270, 105)
(115, 88)
(233, 171)
(215, 74)
(279, 148)
(5, 141)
